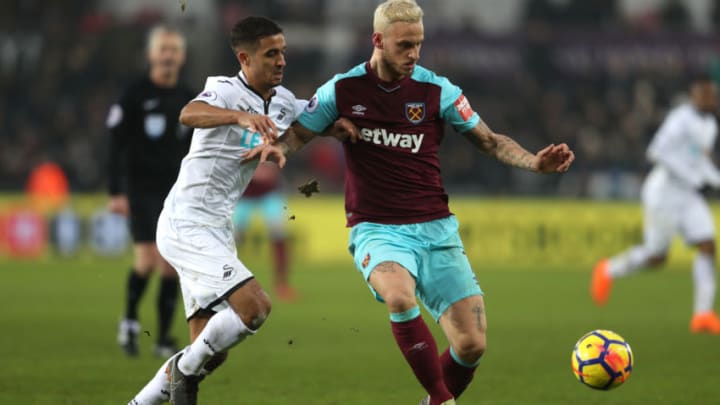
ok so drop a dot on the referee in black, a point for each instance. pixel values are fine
(147, 144)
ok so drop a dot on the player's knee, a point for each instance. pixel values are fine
(399, 301)
(470, 348)
(258, 311)
(707, 248)
(656, 260)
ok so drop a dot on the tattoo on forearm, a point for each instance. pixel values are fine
(509, 152)
(386, 267)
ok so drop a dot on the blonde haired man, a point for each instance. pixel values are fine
(146, 147)
(404, 239)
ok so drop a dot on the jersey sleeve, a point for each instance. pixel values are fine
(321, 110)
(455, 108)
(214, 92)
(119, 134)
(300, 106)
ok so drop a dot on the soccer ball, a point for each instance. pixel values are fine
(602, 360)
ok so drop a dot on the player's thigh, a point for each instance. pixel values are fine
(206, 261)
(697, 225)
(166, 269)
(388, 265)
(144, 257)
(394, 284)
(273, 208)
(465, 325)
(145, 209)
(660, 224)
(445, 276)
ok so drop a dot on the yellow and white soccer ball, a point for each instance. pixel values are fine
(602, 360)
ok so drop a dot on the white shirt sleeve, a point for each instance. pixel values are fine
(299, 107)
(669, 148)
(214, 91)
(711, 175)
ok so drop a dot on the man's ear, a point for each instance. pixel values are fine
(377, 40)
(243, 57)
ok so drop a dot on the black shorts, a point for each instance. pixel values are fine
(144, 212)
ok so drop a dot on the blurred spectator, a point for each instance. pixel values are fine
(675, 16)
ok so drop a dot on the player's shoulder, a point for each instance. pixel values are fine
(682, 112)
(284, 94)
(357, 71)
(424, 75)
(220, 81)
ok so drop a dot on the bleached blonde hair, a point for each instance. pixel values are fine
(158, 30)
(393, 11)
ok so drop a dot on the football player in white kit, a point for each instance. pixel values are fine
(223, 302)
(673, 203)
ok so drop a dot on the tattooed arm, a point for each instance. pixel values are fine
(554, 158)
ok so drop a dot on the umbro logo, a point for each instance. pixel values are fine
(228, 272)
(359, 109)
(418, 347)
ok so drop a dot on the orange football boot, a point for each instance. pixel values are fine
(601, 282)
(705, 322)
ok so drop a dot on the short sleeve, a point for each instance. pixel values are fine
(300, 106)
(321, 109)
(455, 108)
(214, 92)
(118, 113)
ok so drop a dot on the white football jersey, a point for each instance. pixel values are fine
(212, 176)
(681, 151)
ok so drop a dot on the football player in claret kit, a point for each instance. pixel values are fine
(146, 146)
(673, 203)
(223, 302)
(265, 196)
(404, 239)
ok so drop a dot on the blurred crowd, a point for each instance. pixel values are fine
(63, 63)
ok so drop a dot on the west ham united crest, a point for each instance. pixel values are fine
(415, 112)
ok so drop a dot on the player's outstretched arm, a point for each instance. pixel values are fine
(198, 114)
(294, 139)
(552, 159)
(343, 130)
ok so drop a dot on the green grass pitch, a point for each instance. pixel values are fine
(334, 346)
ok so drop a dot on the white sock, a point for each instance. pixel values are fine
(224, 330)
(628, 262)
(704, 279)
(157, 391)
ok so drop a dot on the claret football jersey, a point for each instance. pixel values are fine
(393, 172)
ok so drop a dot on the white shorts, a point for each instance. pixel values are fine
(206, 260)
(688, 215)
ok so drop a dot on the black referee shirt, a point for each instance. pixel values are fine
(147, 142)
